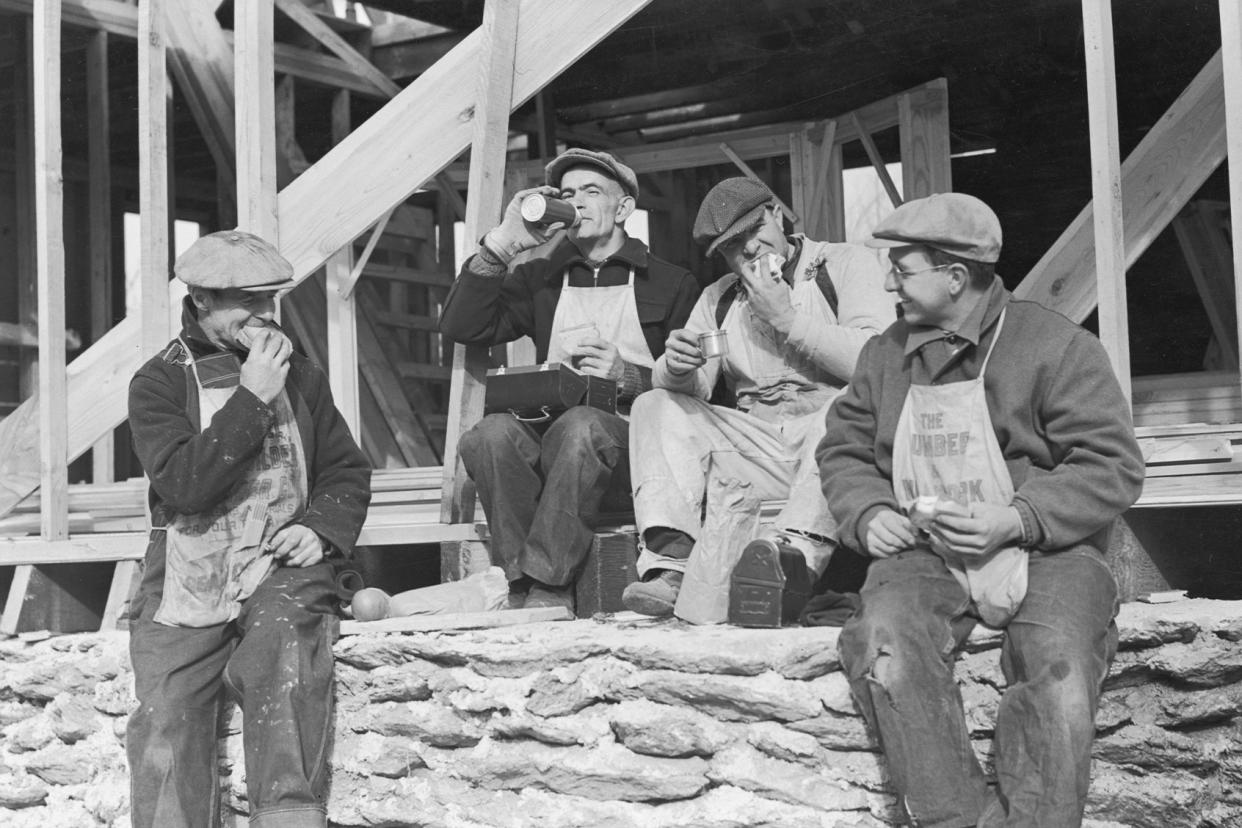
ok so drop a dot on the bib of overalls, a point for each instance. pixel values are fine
(216, 559)
(945, 447)
(614, 312)
(757, 351)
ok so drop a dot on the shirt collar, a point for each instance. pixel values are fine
(981, 317)
(633, 253)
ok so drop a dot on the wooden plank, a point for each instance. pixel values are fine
(99, 198)
(105, 15)
(877, 162)
(425, 373)
(1208, 257)
(409, 321)
(1196, 490)
(1159, 176)
(923, 125)
(1109, 241)
(342, 317)
(458, 621)
(286, 126)
(125, 578)
(24, 221)
(50, 265)
(347, 288)
(336, 44)
(411, 276)
(153, 197)
(494, 99)
(1231, 69)
(817, 186)
(355, 182)
(254, 117)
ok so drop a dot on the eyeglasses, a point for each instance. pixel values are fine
(902, 274)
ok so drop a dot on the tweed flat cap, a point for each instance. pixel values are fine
(954, 223)
(234, 259)
(731, 207)
(576, 157)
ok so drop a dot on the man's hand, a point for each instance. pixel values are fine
(598, 358)
(267, 365)
(681, 352)
(987, 528)
(890, 532)
(515, 234)
(297, 545)
(768, 294)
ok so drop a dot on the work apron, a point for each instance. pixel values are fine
(758, 353)
(945, 447)
(611, 309)
(217, 558)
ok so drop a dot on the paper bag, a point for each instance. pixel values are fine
(732, 516)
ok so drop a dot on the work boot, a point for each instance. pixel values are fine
(542, 596)
(655, 597)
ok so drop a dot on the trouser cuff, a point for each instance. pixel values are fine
(311, 816)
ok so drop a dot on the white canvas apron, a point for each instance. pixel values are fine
(217, 558)
(945, 447)
(614, 312)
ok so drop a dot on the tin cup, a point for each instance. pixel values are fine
(713, 344)
(541, 209)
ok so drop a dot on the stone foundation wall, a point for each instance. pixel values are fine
(634, 724)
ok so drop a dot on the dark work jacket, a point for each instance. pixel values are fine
(192, 471)
(489, 310)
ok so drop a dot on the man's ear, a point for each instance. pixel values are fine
(778, 215)
(959, 278)
(625, 208)
(199, 297)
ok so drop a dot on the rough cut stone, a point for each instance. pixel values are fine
(1154, 748)
(21, 791)
(30, 734)
(836, 732)
(782, 743)
(428, 722)
(72, 719)
(567, 690)
(12, 712)
(1133, 799)
(746, 768)
(796, 652)
(733, 698)
(60, 765)
(44, 681)
(1199, 666)
(562, 730)
(607, 772)
(390, 684)
(662, 730)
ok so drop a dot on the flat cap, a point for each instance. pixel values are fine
(234, 259)
(954, 223)
(731, 207)
(608, 164)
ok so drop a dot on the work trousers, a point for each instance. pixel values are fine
(678, 440)
(276, 659)
(898, 653)
(542, 488)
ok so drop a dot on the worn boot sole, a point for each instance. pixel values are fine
(653, 598)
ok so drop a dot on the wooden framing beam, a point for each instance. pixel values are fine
(254, 116)
(346, 191)
(50, 264)
(342, 314)
(816, 179)
(1231, 59)
(336, 44)
(1109, 242)
(153, 91)
(494, 100)
(24, 177)
(1159, 176)
(202, 62)
(793, 217)
(1202, 233)
(923, 127)
(877, 162)
(99, 197)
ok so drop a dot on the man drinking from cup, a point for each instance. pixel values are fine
(794, 315)
(592, 297)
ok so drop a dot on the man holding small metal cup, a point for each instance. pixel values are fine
(783, 330)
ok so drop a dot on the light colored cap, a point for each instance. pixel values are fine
(234, 259)
(955, 223)
(608, 164)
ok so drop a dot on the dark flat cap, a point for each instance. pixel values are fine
(234, 259)
(955, 223)
(602, 161)
(731, 207)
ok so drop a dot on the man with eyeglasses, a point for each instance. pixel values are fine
(979, 457)
(795, 313)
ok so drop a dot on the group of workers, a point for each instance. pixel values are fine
(974, 448)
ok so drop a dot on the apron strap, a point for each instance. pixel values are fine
(1000, 323)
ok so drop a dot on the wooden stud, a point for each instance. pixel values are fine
(27, 276)
(1110, 253)
(50, 265)
(1158, 178)
(153, 89)
(347, 287)
(254, 78)
(99, 189)
(1201, 234)
(494, 99)
(876, 161)
(286, 126)
(342, 313)
(1231, 49)
(923, 118)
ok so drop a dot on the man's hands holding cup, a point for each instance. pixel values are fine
(267, 365)
(515, 234)
(682, 353)
(592, 355)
